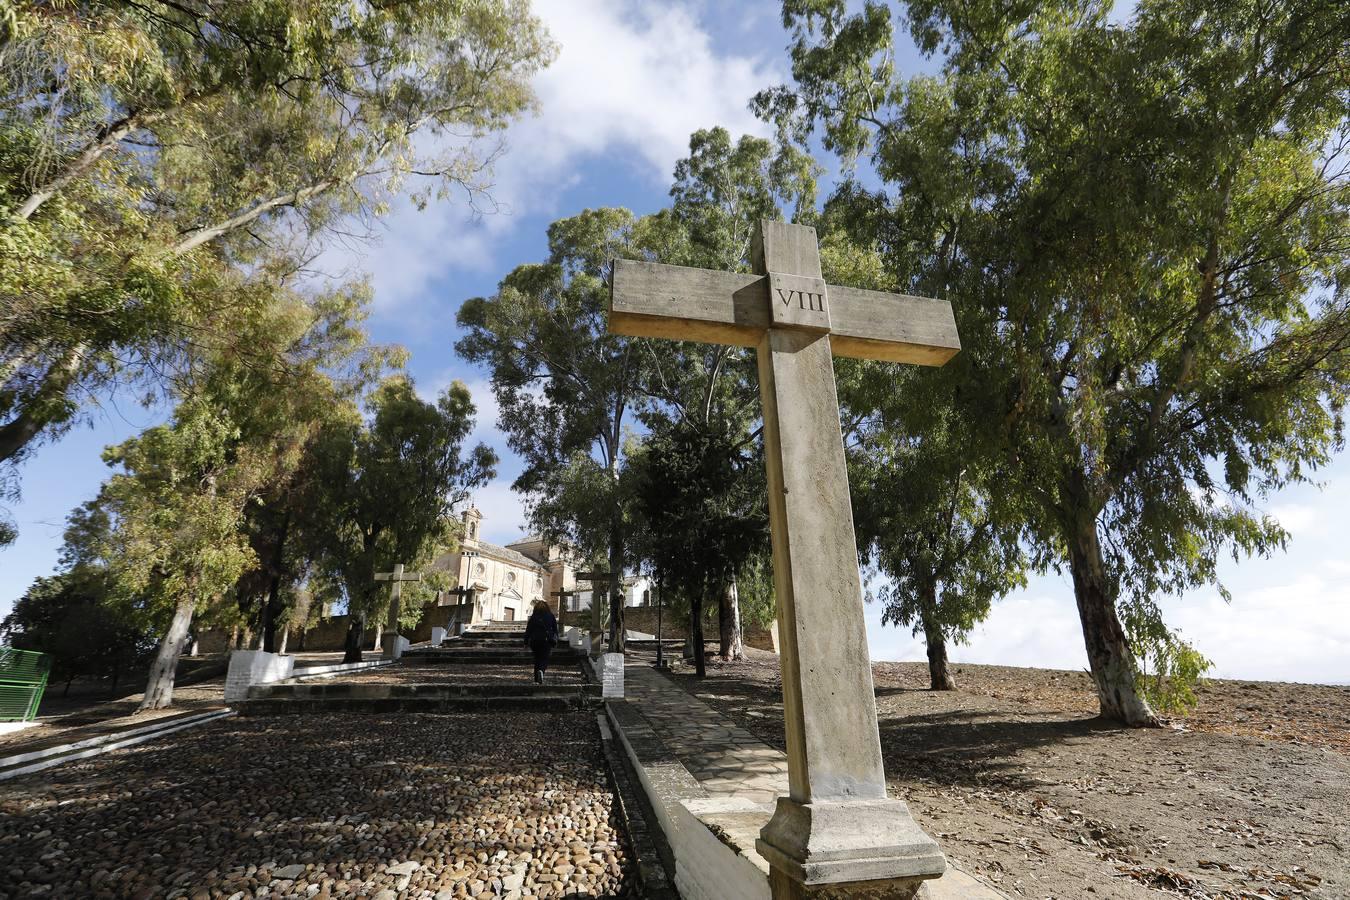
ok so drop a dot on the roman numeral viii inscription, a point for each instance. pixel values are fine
(799, 301)
(802, 299)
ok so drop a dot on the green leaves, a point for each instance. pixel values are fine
(382, 492)
(1143, 229)
(147, 147)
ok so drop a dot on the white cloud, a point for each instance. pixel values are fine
(1296, 629)
(629, 86)
(503, 512)
(1297, 518)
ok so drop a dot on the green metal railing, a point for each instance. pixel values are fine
(23, 678)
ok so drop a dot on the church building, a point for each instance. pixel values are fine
(506, 581)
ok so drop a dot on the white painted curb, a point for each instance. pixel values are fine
(54, 756)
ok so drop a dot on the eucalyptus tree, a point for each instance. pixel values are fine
(567, 388)
(722, 190)
(382, 492)
(701, 495)
(140, 140)
(1144, 226)
(932, 510)
(176, 502)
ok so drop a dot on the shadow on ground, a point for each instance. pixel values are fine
(353, 804)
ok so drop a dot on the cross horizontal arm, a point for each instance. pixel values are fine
(686, 304)
(390, 576)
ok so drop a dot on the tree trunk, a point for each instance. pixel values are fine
(356, 625)
(104, 140)
(48, 405)
(285, 636)
(617, 634)
(729, 622)
(696, 632)
(273, 607)
(939, 678)
(271, 612)
(159, 686)
(1109, 655)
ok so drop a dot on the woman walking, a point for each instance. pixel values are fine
(541, 634)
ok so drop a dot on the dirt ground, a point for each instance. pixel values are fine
(1249, 797)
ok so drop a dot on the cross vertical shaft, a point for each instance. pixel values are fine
(836, 824)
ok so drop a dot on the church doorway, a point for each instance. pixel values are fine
(509, 612)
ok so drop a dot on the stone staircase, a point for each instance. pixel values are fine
(485, 669)
(500, 643)
(300, 699)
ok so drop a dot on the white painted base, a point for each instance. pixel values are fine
(11, 727)
(250, 667)
(395, 645)
(437, 635)
(611, 676)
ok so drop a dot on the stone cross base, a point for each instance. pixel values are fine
(250, 667)
(853, 849)
(395, 645)
(611, 676)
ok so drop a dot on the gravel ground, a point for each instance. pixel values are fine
(94, 716)
(1022, 784)
(397, 806)
(453, 674)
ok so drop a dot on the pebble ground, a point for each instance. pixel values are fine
(387, 807)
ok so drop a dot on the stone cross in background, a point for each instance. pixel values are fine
(599, 595)
(391, 637)
(836, 833)
(462, 596)
(563, 596)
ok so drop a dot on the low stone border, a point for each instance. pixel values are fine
(37, 760)
(655, 865)
(336, 668)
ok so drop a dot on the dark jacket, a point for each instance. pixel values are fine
(542, 627)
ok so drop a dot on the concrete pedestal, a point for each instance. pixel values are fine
(250, 667)
(611, 676)
(395, 645)
(854, 848)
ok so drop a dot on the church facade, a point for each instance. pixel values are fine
(505, 581)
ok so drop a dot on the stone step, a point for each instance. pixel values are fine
(503, 656)
(343, 690)
(306, 699)
(35, 759)
(410, 704)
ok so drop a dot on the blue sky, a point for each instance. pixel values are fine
(631, 83)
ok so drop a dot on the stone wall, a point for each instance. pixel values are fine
(331, 634)
(643, 618)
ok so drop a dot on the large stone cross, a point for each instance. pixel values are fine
(836, 827)
(390, 641)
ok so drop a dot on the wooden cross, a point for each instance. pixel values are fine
(836, 820)
(396, 593)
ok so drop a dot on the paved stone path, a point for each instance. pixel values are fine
(726, 759)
